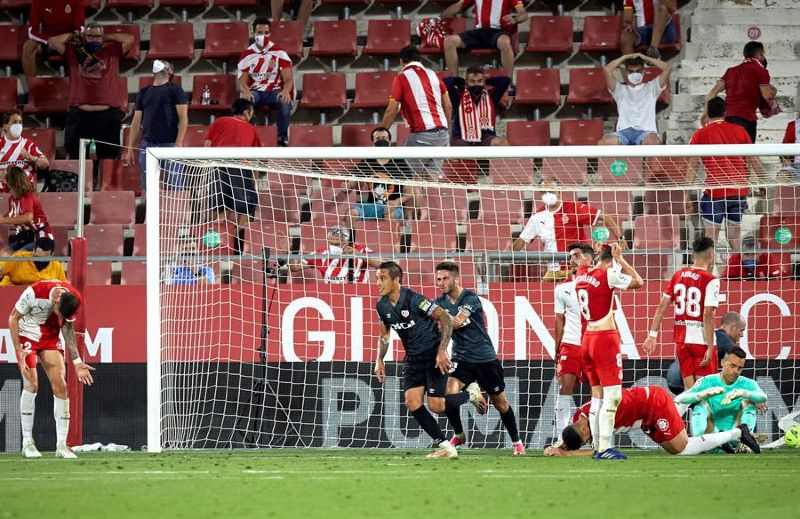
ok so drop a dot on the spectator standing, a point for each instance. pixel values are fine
(751, 264)
(48, 19)
(37, 268)
(636, 101)
(745, 85)
(729, 333)
(792, 164)
(476, 107)
(162, 117)
(25, 212)
(495, 22)
(16, 150)
(96, 108)
(648, 22)
(265, 77)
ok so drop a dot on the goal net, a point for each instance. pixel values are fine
(262, 329)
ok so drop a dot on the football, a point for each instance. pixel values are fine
(792, 437)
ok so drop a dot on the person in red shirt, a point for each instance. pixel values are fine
(792, 164)
(745, 85)
(720, 204)
(49, 18)
(16, 150)
(96, 105)
(752, 265)
(25, 212)
(335, 268)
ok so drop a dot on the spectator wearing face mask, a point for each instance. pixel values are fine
(16, 150)
(476, 101)
(38, 268)
(752, 264)
(189, 270)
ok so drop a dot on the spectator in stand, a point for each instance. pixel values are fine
(751, 264)
(303, 11)
(265, 77)
(188, 270)
(636, 101)
(648, 22)
(16, 150)
(495, 22)
(476, 107)
(24, 212)
(718, 205)
(336, 268)
(162, 116)
(37, 268)
(729, 333)
(49, 18)
(96, 108)
(745, 86)
(792, 164)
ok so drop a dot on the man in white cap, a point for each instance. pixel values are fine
(160, 118)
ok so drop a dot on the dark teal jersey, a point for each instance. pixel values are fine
(471, 342)
(412, 319)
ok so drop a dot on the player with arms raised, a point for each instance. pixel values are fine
(43, 310)
(425, 368)
(474, 358)
(694, 291)
(600, 344)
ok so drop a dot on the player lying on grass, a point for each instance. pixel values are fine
(725, 400)
(651, 409)
(426, 365)
(474, 358)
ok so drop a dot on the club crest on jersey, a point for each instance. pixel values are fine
(662, 424)
(404, 313)
(564, 218)
(67, 9)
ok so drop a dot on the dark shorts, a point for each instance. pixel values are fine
(717, 209)
(645, 34)
(486, 140)
(424, 373)
(235, 190)
(750, 126)
(103, 126)
(482, 38)
(488, 375)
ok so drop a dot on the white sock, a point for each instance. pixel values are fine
(594, 420)
(61, 414)
(563, 404)
(606, 416)
(706, 442)
(27, 407)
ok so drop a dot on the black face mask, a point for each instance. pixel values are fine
(475, 90)
(382, 143)
(764, 62)
(41, 265)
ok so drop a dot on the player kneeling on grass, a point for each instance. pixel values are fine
(725, 400)
(425, 368)
(652, 409)
(474, 358)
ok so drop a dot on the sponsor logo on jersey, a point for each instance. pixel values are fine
(404, 326)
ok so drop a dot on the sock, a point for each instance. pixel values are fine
(749, 417)
(27, 407)
(563, 404)
(594, 424)
(699, 419)
(681, 408)
(510, 421)
(706, 442)
(61, 414)
(429, 424)
(452, 408)
(607, 415)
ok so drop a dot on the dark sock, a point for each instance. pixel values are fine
(429, 424)
(453, 405)
(510, 421)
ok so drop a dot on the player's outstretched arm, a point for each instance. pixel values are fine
(692, 396)
(83, 370)
(561, 451)
(650, 343)
(446, 326)
(383, 346)
(636, 279)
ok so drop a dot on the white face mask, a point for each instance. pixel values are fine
(549, 199)
(634, 78)
(15, 130)
(261, 40)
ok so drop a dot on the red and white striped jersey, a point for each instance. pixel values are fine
(420, 91)
(595, 289)
(691, 290)
(29, 203)
(11, 155)
(39, 322)
(264, 66)
(489, 13)
(643, 11)
(336, 269)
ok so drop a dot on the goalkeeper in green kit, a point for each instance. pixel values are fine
(725, 400)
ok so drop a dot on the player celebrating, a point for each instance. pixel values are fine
(653, 411)
(425, 368)
(601, 342)
(725, 400)
(44, 309)
(694, 291)
(474, 358)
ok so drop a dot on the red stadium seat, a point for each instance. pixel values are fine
(213, 239)
(428, 236)
(446, 204)
(652, 267)
(12, 36)
(261, 234)
(171, 41)
(528, 133)
(488, 236)
(60, 208)
(268, 136)
(458, 26)
(657, 232)
(669, 47)
(512, 172)
(488, 52)
(334, 38)
(580, 133)
(135, 53)
(308, 135)
(460, 171)
(382, 236)
(195, 136)
(279, 206)
(235, 3)
(225, 40)
(633, 176)
(73, 166)
(770, 225)
(387, 37)
(328, 203)
(98, 273)
(501, 206)
(48, 95)
(662, 201)
(146, 81)
(786, 201)
(247, 272)
(338, 2)
(373, 89)
(113, 207)
(588, 86)
(183, 3)
(17, 4)
(326, 90)
(134, 273)
(223, 92)
(45, 138)
(357, 134)
(104, 240)
(666, 170)
(140, 239)
(314, 236)
(550, 34)
(538, 87)
(61, 234)
(288, 34)
(565, 171)
(618, 204)
(601, 34)
(129, 4)
(8, 93)
(118, 175)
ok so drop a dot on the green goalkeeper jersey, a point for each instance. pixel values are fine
(719, 411)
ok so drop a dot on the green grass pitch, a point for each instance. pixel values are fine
(488, 484)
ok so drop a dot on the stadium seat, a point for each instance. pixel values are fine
(129, 4)
(225, 40)
(382, 236)
(13, 37)
(588, 86)
(104, 240)
(488, 236)
(269, 234)
(223, 92)
(288, 34)
(420, 274)
(565, 171)
(528, 133)
(61, 234)
(113, 207)
(770, 225)
(173, 41)
(183, 3)
(666, 170)
(98, 273)
(580, 133)
(786, 200)
(118, 175)
(538, 87)
(387, 37)
(357, 134)
(618, 204)
(501, 207)
(45, 138)
(195, 136)
(373, 89)
(60, 208)
(550, 35)
(134, 273)
(140, 239)
(656, 232)
(328, 203)
(650, 73)
(213, 239)
(663, 201)
(428, 236)
(235, 3)
(279, 206)
(488, 52)
(146, 81)
(668, 47)
(314, 236)
(247, 272)
(651, 267)
(402, 132)
(135, 53)
(601, 34)
(8, 93)
(334, 38)
(73, 166)
(633, 176)
(458, 25)
(339, 2)
(446, 204)
(48, 95)
(310, 135)
(268, 135)
(512, 172)
(460, 171)
(326, 90)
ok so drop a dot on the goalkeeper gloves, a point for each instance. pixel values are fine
(708, 393)
(733, 395)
